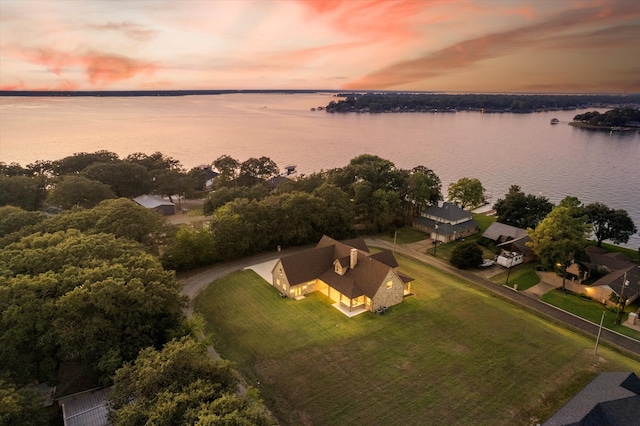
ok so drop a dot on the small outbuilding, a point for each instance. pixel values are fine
(164, 206)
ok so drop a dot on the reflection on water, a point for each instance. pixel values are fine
(499, 149)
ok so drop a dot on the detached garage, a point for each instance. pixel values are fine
(154, 202)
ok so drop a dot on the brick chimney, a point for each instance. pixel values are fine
(353, 259)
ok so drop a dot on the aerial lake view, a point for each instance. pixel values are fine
(500, 149)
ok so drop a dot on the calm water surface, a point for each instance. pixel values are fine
(499, 149)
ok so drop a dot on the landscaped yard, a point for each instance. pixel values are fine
(524, 275)
(451, 354)
(590, 310)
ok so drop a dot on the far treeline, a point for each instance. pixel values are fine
(422, 102)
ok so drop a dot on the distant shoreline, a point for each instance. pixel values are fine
(148, 93)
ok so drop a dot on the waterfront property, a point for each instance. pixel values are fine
(346, 272)
(512, 242)
(619, 275)
(446, 222)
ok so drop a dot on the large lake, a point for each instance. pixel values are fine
(499, 149)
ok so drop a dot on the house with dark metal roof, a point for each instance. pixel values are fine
(157, 203)
(346, 272)
(612, 398)
(446, 222)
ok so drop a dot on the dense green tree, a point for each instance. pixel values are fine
(40, 168)
(522, 210)
(169, 183)
(300, 216)
(231, 232)
(574, 205)
(363, 199)
(198, 180)
(181, 384)
(76, 190)
(228, 169)
(559, 240)
(380, 173)
(386, 209)
(155, 161)
(12, 169)
(255, 170)
(13, 219)
(93, 299)
(305, 183)
(125, 179)
(190, 248)
(338, 213)
(120, 217)
(610, 224)
(424, 188)
(22, 191)
(21, 406)
(466, 255)
(79, 161)
(466, 192)
(220, 197)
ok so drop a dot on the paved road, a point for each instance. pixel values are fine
(194, 282)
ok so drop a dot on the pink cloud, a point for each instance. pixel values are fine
(571, 29)
(62, 86)
(100, 68)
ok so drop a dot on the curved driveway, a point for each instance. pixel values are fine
(195, 281)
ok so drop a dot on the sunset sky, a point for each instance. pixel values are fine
(428, 45)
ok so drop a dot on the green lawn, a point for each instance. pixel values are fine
(451, 354)
(590, 310)
(524, 275)
(404, 235)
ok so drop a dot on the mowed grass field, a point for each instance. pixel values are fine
(450, 354)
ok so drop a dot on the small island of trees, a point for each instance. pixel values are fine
(617, 119)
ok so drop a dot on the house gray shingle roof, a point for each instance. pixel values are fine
(612, 398)
(448, 212)
(446, 228)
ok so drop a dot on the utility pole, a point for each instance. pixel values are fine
(625, 283)
(599, 331)
(435, 247)
(395, 236)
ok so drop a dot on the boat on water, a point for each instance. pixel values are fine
(291, 169)
(555, 121)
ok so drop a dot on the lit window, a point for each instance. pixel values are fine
(389, 284)
(278, 281)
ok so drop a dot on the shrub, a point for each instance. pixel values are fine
(466, 255)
